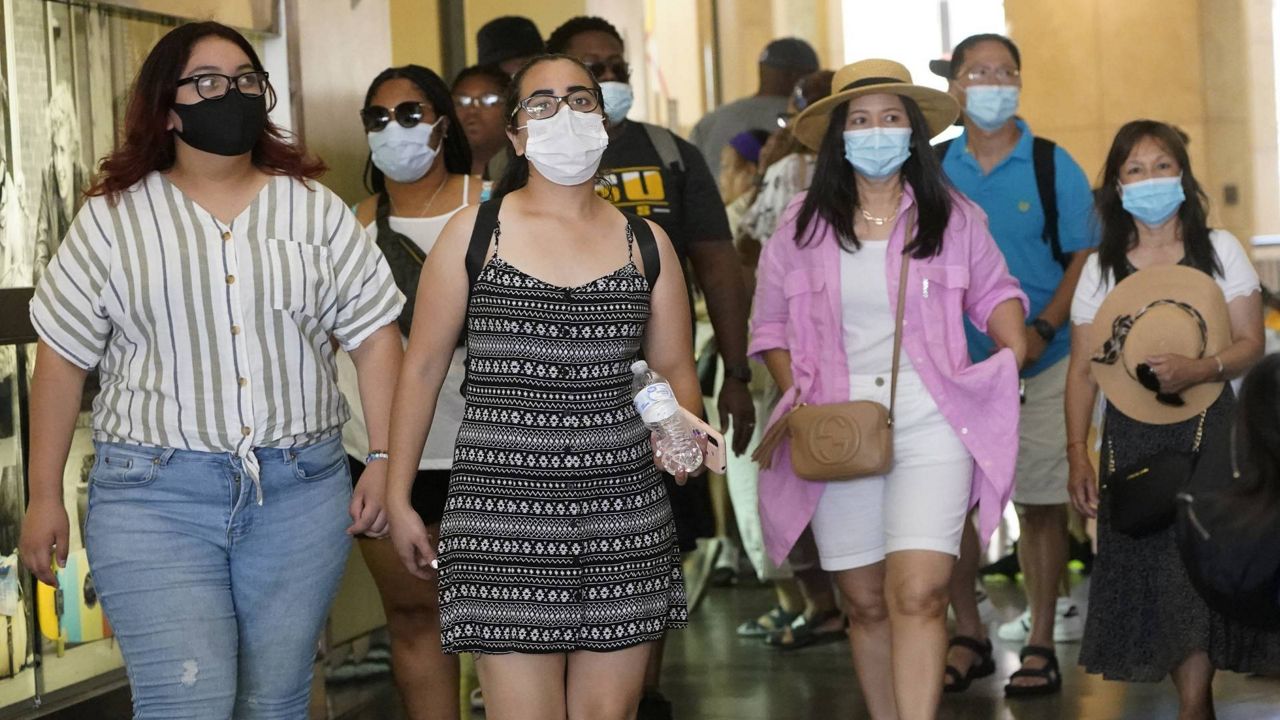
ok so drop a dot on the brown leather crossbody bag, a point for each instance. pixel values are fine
(841, 441)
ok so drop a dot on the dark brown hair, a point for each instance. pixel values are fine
(1120, 234)
(148, 144)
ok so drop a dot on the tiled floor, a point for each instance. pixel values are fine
(712, 675)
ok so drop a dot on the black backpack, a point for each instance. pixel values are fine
(1042, 163)
(1233, 565)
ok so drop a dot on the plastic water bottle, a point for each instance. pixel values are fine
(657, 406)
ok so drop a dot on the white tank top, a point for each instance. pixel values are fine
(438, 452)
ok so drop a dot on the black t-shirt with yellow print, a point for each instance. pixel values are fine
(685, 204)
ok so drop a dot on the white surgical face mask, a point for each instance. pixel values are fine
(618, 97)
(877, 152)
(403, 154)
(566, 148)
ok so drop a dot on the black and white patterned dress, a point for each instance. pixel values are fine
(557, 534)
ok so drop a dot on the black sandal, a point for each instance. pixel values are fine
(957, 682)
(777, 619)
(1049, 673)
(803, 632)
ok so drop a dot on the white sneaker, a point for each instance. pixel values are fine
(1068, 625)
(986, 610)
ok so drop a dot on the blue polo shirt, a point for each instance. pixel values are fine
(1009, 196)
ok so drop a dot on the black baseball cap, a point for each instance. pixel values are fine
(790, 54)
(510, 36)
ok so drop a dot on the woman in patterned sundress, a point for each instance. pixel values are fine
(557, 562)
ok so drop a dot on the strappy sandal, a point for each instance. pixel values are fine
(958, 682)
(777, 618)
(1050, 673)
(804, 632)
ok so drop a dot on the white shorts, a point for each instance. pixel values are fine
(920, 505)
(1042, 472)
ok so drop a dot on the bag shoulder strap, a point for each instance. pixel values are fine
(664, 141)
(897, 320)
(643, 235)
(1043, 163)
(481, 235)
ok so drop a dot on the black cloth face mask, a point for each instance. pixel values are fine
(230, 125)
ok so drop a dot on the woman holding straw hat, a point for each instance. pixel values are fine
(880, 229)
(1165, 313)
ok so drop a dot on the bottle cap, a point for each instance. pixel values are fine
(639, 366)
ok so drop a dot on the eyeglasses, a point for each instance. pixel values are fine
(982, 75)
(407, 114)
(1148, 379)
(214, 86)
(540, 107)
(620, 69)
(486, 100)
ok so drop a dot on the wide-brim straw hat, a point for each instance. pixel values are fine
(1170, 309)
(869, 77)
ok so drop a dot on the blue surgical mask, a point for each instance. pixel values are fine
(877, 152)
(991, 106)
(1152, 202)
(617, 100)
(403, 154)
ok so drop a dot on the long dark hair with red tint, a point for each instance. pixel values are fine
(148, 144)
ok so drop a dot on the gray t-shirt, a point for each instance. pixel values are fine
(716, 128)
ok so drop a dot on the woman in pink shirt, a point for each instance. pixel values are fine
(823, 322)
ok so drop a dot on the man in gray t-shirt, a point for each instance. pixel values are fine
(782, 63)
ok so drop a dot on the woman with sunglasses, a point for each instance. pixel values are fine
(479, 94)
(557, 562)
(1145, 619)
(207, 277)
(418, 171)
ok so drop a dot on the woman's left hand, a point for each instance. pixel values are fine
(1178, 372)
(368, 511)
(680, 476)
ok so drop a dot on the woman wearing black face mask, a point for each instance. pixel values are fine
(418, 171)
(205, 276)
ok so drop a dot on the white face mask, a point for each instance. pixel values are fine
(566, 148)
(403, 154)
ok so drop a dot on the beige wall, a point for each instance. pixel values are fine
(331, 83)
(1203, 65)
(415, 33)
(746, 26)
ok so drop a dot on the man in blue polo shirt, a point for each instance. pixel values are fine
(1022, 183)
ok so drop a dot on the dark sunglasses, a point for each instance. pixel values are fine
(407, 114)
(620, 69)
(1147, 378)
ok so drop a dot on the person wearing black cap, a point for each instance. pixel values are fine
(782, 64)
(508, 42)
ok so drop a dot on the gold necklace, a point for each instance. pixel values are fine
(879, 221)
(422, 210)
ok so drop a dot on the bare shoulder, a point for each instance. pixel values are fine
(366, 210)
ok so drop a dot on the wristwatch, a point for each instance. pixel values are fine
(1044, 328)
(738, 372)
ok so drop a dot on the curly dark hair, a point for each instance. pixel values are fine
(560, 38)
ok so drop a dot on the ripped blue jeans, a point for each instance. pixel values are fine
(218, 602)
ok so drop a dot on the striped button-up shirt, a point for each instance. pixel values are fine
(214, 337)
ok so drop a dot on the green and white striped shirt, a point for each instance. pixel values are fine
(211, 337)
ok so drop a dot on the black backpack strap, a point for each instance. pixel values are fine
(481, 235)
(643, 235)
(1042, 160)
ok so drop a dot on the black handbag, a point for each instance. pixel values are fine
(1142, 498)
(404, 258)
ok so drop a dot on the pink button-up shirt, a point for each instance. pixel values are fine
(798, 308)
